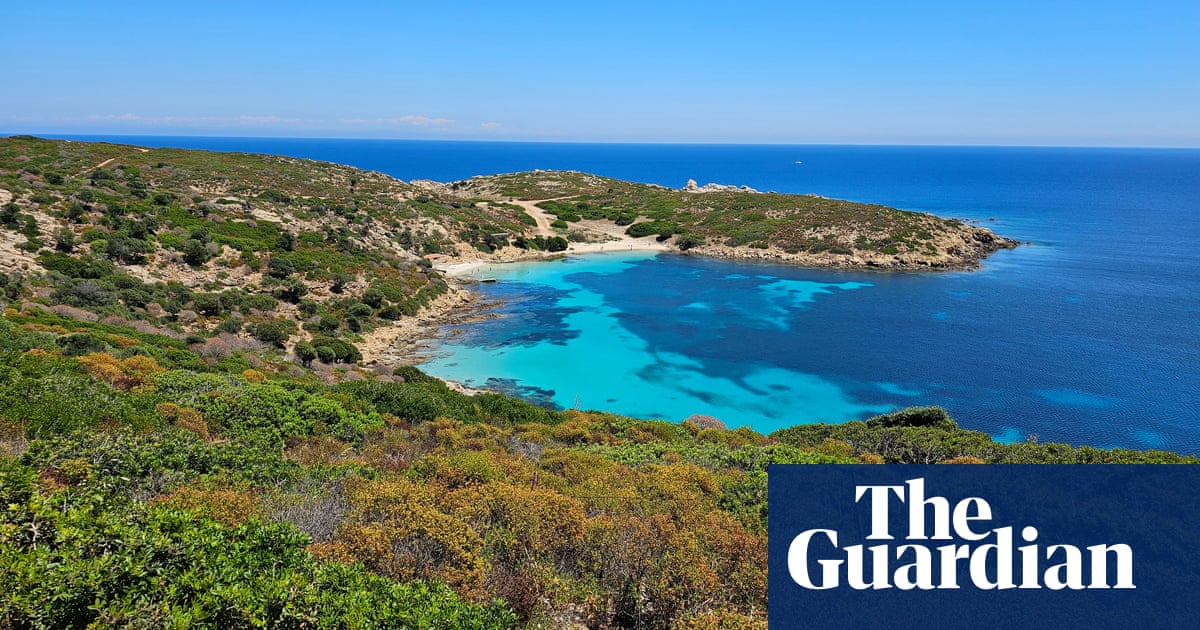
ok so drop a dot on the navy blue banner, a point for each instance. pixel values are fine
(984, 546)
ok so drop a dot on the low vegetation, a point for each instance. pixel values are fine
(188, 437)
(145, 484)
(731, 222)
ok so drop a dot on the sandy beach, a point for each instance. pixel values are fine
(603, 236)
(403, 342)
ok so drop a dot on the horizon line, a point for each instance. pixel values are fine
(69, 136)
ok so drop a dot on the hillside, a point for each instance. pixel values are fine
(246, 202)
(189, 436)
(740, 223)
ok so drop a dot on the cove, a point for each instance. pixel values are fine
(770, 346)
(585, 332)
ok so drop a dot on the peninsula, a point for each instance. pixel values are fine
(493, 218)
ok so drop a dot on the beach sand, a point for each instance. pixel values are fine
(404, 342)
(603, 236)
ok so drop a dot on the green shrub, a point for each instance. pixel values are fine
(340, 350)
(58, 402)
(79, 344)
(291, 290)
(373, 298)
(116, 563)
(232, 325)
(207, 304)
(308, 308)
(360, 310)
(86, 266)
(143, 463)
(259, 302)
(64, 240)
(647, 228)
(688, 241)
(195, 252)
(260, 415)
(273, 331)
(280, 268)
(286, 241)
(329, 417)
(915, 417)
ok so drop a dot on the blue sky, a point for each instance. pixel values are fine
(916, 72)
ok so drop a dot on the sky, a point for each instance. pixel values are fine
(1050, 72)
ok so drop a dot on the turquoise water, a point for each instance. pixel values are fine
(770, 346)
(585, 357)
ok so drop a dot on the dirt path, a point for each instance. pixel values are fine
(107, 162)
(543, 218)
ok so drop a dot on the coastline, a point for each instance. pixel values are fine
(408, 341)
(398, 343)
(403, 342)
(469, 260)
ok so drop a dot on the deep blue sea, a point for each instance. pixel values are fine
(1088, 335)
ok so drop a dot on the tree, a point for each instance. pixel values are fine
(9, 213)
(75, 212)
(331, 349)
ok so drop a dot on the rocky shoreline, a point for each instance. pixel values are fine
(967, 252)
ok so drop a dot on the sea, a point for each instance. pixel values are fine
(1086, 334)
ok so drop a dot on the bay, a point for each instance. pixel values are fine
(1088, 334)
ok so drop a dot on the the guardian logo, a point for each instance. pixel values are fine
(948, 546)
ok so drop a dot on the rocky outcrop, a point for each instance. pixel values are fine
(693, 187)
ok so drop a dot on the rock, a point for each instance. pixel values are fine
(693, 187)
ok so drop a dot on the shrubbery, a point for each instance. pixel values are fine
(273, 331)
(116, 563)
(648, 228)
(331, 350)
